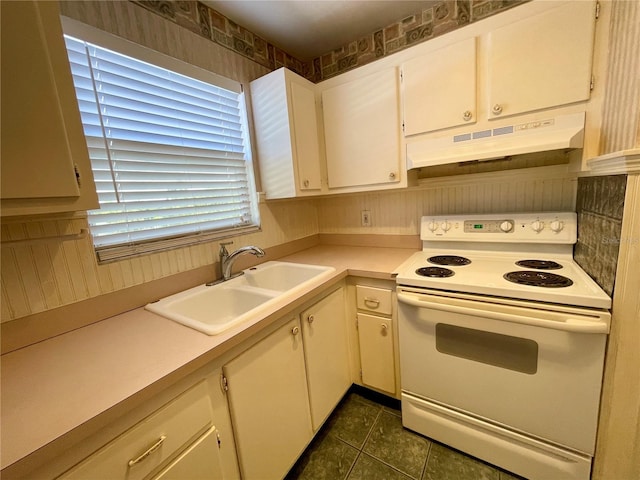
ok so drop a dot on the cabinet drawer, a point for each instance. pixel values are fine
(150, 443)
(373, 299)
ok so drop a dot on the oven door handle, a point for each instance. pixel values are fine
(506, 313)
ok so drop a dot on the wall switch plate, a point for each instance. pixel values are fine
(365, 216)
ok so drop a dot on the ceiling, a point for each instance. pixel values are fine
(307, 29)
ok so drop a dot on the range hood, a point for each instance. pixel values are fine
(492, 142)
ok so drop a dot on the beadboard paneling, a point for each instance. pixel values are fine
(398, 213)
(621, 109)
(40, 276)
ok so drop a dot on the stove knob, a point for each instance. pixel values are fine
(506, 226)
(556, 226)
(446, 226)
(537, 226)
(432, 226)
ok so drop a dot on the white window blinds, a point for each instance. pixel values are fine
(169, 153)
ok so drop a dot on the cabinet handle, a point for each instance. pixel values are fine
(385, 327)
(306, 183)
(466, 116)
(497, 109)
(295, 331)
(149, 451)
(310, 319)
(373, 301)
(392, 175)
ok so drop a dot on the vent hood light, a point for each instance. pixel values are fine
(553, 133)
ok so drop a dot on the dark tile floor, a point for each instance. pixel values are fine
(364, 440)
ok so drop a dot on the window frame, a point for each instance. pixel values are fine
(106, 254)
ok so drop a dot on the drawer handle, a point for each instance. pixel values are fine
(149, 451)
(372, 301)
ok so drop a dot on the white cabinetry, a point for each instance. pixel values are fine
(439, 89)
(376, 335)
(362, 133)
(286, 124)
(326, 354)
(284, 387)
(45, 163)
(539, 62)
(199, 462)
(542, 61)
(180, 429)
(267, 391)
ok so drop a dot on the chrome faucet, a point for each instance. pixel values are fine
(227, 260)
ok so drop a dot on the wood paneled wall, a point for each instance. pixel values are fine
(399, 212)
(621, 109)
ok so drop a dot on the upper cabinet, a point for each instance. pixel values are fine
(287, 135)
(541, 62)
(362, 133)
(439, 88)
(45, 163)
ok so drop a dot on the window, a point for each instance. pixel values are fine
(169, 152)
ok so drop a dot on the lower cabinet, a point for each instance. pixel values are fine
(201, 461)
(376, 338)
(283, 388)
(269, 405)
(177, 434)
(326, 351)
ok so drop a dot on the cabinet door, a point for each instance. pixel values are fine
(326, 351)
(269, 404)
(541, 62)
(376, 352)
(439, 89)
(307, 146)
(362, 131)
(286, 126)
(44, 154)
(201, 461)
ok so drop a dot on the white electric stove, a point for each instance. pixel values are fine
(502, 341)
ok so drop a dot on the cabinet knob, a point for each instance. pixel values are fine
(310, 319)
(384, 328)
(497, 109)
(466, 116)
(306, 183)
(392, 175)
(295, 331)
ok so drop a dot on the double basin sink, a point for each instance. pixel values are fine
(212, 309)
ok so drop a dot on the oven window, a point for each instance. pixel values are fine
(512, 353)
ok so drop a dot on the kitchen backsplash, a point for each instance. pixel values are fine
(438, 18)
(43, 276)
(600, 205)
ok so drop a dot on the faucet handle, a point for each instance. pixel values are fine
(223, 249)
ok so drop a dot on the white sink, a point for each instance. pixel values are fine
(216, 308)
(282, 276)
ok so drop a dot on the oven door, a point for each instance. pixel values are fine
(530, 368)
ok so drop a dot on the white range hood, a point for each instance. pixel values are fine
(478, 143)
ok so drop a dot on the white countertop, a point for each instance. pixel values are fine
(55, 386)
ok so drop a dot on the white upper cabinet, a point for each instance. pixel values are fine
(362, 133)
(542, 61)
(45, 162)
(439, 88)
(286, 124)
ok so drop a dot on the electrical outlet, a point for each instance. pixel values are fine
(365, 216)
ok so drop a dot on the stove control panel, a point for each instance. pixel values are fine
(488, 226)
(545, 227)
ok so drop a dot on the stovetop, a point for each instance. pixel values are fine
(488, 263)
